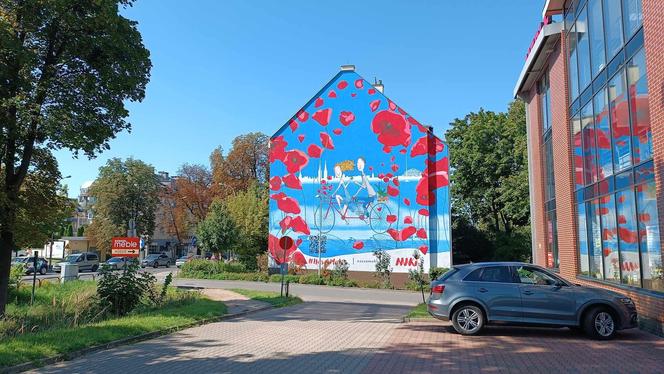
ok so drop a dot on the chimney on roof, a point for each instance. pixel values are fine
(347, 67)
(378, 84)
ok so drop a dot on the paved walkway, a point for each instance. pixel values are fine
(350, 331)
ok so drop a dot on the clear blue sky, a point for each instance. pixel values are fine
(224, 68)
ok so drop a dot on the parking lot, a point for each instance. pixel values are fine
(350, 331)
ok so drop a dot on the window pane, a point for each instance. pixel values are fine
(595, 240)
(583, 49)
(607, 213)
(589, 164)
(651, 254)
(545, 102)
(613, 27)
(629, 240)
(603, 135)
(497, 274)
(632, 16)
(583, 239)
(619, 122)
(637, 82)
(578, 152)
(552, 240)
(573, 69)
(596, 26)
(550, 186)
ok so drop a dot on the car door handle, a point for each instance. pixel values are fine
(483, 290)
(528, 292)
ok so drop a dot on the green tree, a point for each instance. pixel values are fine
(67, 69)
(80, 231)
(249, 212)
(125, 191)
(488, 153)
(217, 232)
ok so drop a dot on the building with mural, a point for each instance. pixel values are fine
(352, 173)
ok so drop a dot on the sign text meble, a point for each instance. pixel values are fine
(126, 247)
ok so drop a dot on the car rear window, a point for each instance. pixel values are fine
(447, 274)
(499, 274)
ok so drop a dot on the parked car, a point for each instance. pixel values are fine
(474, 295)
(117, 263)
(156, 260)
(85, 261)
(28, 264)
(182, 260)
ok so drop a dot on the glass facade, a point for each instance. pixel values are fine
(611, 138)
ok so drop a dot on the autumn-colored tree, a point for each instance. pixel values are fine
(247, 161)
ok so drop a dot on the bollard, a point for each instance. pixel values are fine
(287, 287)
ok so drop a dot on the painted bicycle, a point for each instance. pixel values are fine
(372, 212)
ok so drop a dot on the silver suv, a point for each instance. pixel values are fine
(85, 261)
(474, 295)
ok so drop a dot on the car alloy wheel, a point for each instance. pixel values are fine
(468, 320)
(604, 324)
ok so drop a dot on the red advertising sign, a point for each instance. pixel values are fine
(125, 247)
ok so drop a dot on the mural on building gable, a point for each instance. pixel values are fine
(352, 173)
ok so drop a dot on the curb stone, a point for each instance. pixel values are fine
(124, 341)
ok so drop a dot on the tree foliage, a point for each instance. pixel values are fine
(123, 191)
(217, 232)
(249, 212)
(67, 69)
(247, 161)
(490, 196)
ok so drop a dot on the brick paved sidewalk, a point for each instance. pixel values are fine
(433, 347)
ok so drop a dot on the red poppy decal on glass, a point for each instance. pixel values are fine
(408, 220)
(300, 138)
(286, 204)
(342, 85)
(408, 232)
(406, 201)
(421, 233)
(392, 191)
(319, 102)
(291, 181)
(326, 140)
(332, 94)
(396, 181)
(371, 91)
(359, 83)
(391, 218)
(394, 234)
(374, 105)
(314, 151)
(302, 116)
(346, 118)
(628, 236)
(337, 131)
(424, 249)
(323, 116)
(423, 212)
(644, 217)
(358, 245)
(391, 128)
(275, 183)
(295, 160)
(622, 220)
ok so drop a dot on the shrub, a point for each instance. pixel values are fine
(15, 275)
(383, 268)
(312, 278)
(287, 278)
(233, 267)
(262, 262)
(123, 291)
(340, 270)
(436, 272)
(341, 282)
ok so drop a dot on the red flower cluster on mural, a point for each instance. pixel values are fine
(322, 116)
(286, 204)
(326, 140)
(346, 118)
(291, 181)
(391, 128)
(295, 160)
(275, 183)
(314, 151)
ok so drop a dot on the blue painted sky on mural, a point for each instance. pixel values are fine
(224, 68)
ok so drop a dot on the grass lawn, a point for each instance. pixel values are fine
(272, 298)
(56, 338)
(420, 311)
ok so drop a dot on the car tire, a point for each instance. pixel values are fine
(155, 265)
(468, 320)
(167, 264)
(600, 324)
(42, 271)
(94, 268)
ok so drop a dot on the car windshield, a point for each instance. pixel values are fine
(72, 258)
(19, 260)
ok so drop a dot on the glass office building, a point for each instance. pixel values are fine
(592, 87)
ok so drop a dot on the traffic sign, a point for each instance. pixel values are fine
(126, 247)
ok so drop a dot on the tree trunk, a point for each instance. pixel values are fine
(6, 247)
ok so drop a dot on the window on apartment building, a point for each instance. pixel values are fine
(549, 176)
(545, 102)
(616, 203)
(583, 49)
